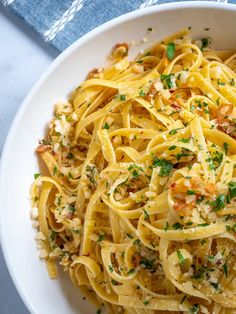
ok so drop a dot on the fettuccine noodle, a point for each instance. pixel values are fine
(137, 199)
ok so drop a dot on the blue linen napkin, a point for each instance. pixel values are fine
(61, 22)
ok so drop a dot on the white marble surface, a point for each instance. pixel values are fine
(23, 57)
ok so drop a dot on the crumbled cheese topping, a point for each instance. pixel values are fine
(158, 86)
(34, 213)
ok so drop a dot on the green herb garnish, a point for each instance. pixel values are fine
(225, 269)
(146, 216)
(170, 51)
(195, 309)
(54, 170)
(167, 80)
(101, 237)
(172, 147)
(114, 282)
(203, 225)
(110, 268)
(166, 227)
(122, 97)
(180, 257)
(226, 147)
(177, 226)
(185, 140)
(219, 202)
(191, 192)
(142, 93)
(131, 271)
(232, 189)
(36, 175)
(106, 126)
(165, 165)
(205, 43)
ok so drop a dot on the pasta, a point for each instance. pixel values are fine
(137, 192)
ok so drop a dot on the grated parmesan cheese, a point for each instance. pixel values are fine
(34, 213)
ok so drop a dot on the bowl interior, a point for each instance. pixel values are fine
(19, 163)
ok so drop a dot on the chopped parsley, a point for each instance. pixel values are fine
(200, 273)
(172, 147)
(232, 189)
(136, 242)
(232, 82)
(191, 192)
(219, 202)
(170, 51)
(142, 93)
(184, 153)
(225, 269)
(203, 241)
(145, 302)
(215, 285)
(228, 228)
(71, 208)
(150, 29)
(91, 172)
(185, 140)
(165, 165)
(234, 228)
(106, 126)
(122, 97)
(220, 83)
(129, 236)
(211, 164)
(147, 264)
(167, 80)
(195, 309)
(217, 158)
(36, 175)
(70, 156)
(180, 257)
(174, 131)
(54, 170)
(46, 142)
(203, 225)
(226, 147)
(101, 237)
(110, 268)
(166, 227)
(205, 43)
(211, 258)
(146, 216)
(135, 174)
(177, 226)
(131, 271)
(114, 282)
(133, 166)
(53, 235)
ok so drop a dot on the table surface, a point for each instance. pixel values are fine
(23, 57)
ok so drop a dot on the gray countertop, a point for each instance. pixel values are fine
(23, 57)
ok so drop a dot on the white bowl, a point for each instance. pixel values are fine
(40, 294)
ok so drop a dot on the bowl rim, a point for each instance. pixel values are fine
(30, 95)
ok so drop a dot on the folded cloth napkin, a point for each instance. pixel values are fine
(61, 22)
